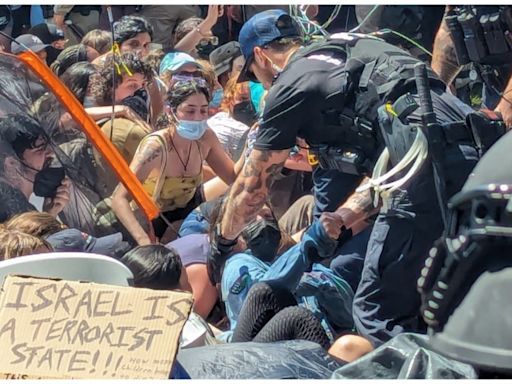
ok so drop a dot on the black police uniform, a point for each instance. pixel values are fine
(482, 37)
(331, 101)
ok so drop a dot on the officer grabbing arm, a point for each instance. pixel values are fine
(306, 98)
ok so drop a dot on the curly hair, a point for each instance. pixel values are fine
(103, 84)
(182, 90)
(234, 93)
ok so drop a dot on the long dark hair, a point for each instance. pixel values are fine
(77, 79)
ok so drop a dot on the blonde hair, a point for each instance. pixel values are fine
(15, 243)
(39, 224)
(99, 40)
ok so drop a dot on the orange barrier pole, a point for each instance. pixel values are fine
(93, 132)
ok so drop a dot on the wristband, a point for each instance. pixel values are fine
(222, 240)
(198, 30)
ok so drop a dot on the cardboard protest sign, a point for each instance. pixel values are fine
(66, 329)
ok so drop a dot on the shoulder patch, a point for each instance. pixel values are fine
(241, 284)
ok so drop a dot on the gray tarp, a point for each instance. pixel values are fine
(406, 356)
(296, 359)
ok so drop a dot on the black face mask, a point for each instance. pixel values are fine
(204, 50)
(263, 238)
(47, 181)
(245, 113)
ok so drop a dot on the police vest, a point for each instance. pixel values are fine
(481, 34)
(377, 73)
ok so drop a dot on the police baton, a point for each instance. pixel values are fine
(434, 134)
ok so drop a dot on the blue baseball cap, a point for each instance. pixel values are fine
(262, 29)
(175, 60)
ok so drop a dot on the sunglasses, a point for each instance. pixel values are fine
(214, 40)
(189, 79)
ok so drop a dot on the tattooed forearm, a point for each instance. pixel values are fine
(358, 207)
(249, 192)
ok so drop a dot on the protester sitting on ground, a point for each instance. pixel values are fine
(64, 239)
(320, 290)
(32, 43)
(72, 55)
(98, 39)
(226, 60)
(133, 34)
(157, 267)
(169, 162)
(15, 244)
(78, 78)
(50, 34)
(128, 131)
(195, 32)
(231, 124)
(176, 66)
(133, 76)
(25, 159)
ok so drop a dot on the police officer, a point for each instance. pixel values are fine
(331, 96)
(418, 23)
(467, 279)
(478, 41)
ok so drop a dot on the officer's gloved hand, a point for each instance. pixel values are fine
(323, 237)
(220, 249)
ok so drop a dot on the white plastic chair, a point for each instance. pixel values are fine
(77, 266)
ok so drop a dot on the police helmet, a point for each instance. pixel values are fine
(466, 284)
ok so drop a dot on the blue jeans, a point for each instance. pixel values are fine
(194, 223)
(320, 290)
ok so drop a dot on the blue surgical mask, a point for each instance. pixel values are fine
(217, 96)
(191, 130)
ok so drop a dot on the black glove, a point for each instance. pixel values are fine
(220, 249)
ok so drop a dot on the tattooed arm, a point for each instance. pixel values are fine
(250, 190)
(357, 210)
(147, 158)
(444, 60)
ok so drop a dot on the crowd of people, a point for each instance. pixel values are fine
(298, 193)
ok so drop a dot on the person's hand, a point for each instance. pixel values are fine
(505, 110)
(220, 249)
(332, 223)
(214, 12)
(58, 20)
(56, 204)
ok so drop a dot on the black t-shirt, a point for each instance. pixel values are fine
(297, 102)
